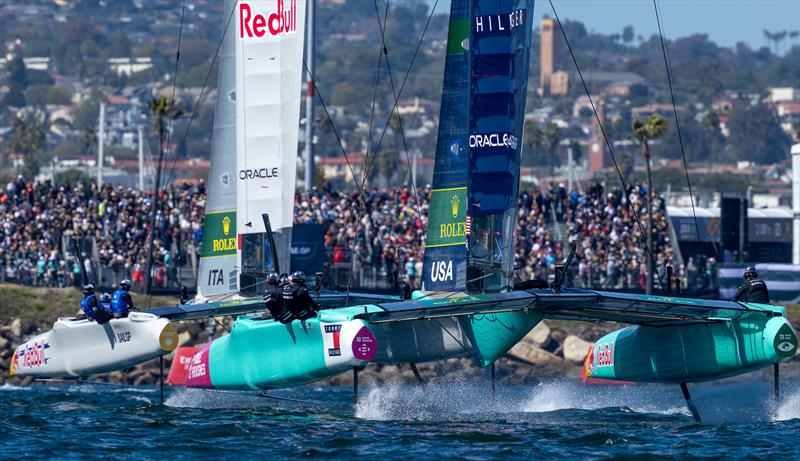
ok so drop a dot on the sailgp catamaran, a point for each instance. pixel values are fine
(470, 306)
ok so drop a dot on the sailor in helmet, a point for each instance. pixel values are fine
(297, 299)
(90, 306)
(121, 301)
(273, 299)
(753, 290)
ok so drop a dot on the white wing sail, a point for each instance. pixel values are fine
(269, 60)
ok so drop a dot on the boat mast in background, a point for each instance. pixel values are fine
(101, 140)
(309, 152)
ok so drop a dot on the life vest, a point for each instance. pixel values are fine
(120, 302)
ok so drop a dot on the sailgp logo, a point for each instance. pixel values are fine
(281, 21)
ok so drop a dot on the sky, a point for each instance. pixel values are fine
(725, 21)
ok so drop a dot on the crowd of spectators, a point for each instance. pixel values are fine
(387, 231)
(38, 220)
(380, 235)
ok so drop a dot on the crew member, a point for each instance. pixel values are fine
(273, 299)
(121, 301)
(91, 308)
(297, 299)
(753, 290)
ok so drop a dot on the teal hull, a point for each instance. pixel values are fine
(264, 354)
(692, 353)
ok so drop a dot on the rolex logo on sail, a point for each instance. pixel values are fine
(447, 221)
(219, 234)
(226, 225)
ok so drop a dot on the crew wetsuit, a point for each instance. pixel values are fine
(121, 303)
(753, 291)
(273, 300)
(93, 310)
(299, 301)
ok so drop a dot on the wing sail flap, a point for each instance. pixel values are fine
(573, 304)
(249, 305)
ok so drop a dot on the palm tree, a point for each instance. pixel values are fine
(552, 137)
(28, 136)
(163, 109)
(645, 132)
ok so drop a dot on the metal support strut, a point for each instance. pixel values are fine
(689, 403)
(416, 373)
(494, 388)
(355, 387)
(777, 382)
(161, 377)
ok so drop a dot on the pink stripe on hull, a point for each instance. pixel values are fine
(199, 374)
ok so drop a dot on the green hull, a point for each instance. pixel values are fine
(692, 353)
(264, 354)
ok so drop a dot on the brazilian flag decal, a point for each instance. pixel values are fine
(219, 234)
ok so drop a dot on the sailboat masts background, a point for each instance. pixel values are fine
(309, 151)
(101, 140)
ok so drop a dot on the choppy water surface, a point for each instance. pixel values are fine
(457, 420)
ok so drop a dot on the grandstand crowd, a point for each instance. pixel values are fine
(39, 219)
(383, 233)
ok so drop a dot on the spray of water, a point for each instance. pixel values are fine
(563, 395)
(789, 407)
(198, 398)
(718, 402)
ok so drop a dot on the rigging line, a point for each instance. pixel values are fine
(196, 106)
(607, 142)
(403, 84)
(381, 52)
(399, 118)
(375, 89)
(678, 128)
(175, 74)
(359, 190)
(386, 125)
(169, 133)
(333, 126)
(175, 78)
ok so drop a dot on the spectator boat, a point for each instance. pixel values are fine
(470, 305)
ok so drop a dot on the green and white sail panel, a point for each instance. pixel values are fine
(218, 268)
(469, 243)
(445, 261)
(269, 60)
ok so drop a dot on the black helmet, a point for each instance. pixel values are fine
(273, 278)
(750, 273)
(298, 277)
(125, 285)
(88, 289)
(105, 297)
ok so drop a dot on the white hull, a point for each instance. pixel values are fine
(76, 348)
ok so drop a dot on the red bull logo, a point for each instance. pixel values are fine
(281, 21)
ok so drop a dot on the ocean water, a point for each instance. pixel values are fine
(461, 420)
